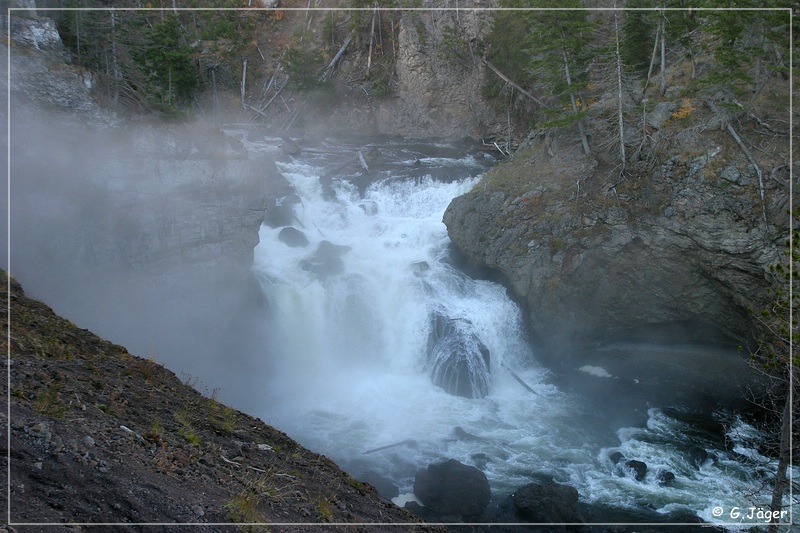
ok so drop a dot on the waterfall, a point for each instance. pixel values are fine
(380, 344)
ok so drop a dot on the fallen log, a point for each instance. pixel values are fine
(519, 379)
(514, 85)
(408, 442)
(336, 58)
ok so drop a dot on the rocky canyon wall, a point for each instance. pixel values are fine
(677, 251)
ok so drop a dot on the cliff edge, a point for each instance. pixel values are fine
(677, 249)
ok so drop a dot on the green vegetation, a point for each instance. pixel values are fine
(152, 60)
(187, 430)
(325, 510)
(243, 507)
(48, 402)
(303, 65)
(224, 417)
(169, 72)
(599, 73)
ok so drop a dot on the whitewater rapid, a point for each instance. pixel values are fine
(349, 371)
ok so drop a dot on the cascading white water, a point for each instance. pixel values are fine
(357, 344)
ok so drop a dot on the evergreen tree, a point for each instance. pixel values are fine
(750, 44)
(167, 62)
(509, 28)
(639, 29)
(558, 43)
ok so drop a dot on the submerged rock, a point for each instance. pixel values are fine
(293, 237)
(326, 260)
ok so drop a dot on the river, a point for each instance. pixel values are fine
(363, 335)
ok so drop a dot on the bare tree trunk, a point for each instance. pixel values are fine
(514, 85)
(784, 457)
(652, 60)
(214, 96)
(663, 88)
(619, 93)
(371, 40)
(753, 162)
(573, 101)
(244, 81)
(116, 75)
(78, 34)
(332, 65)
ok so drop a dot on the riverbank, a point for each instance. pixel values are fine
(99, 435)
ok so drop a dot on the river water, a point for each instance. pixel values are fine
(353, 366)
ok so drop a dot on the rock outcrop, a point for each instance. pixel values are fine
(678, 250)
(436, 84)
(547, 502)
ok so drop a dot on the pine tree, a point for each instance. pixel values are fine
(639, 30)
(167, 62)
(558, 42)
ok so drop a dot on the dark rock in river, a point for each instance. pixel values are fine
(638, 468)
(327, 260)
(547, 502)
(616, 457)
(458, 360)
(697, 456)
(665, 477)
(293, 237)
(453, 488)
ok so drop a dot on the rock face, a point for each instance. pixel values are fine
(439, 75)
(451, 488)
(679, 249)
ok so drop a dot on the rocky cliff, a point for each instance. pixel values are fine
(676, 250)
(435, 91)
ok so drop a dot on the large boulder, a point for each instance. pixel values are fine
(547, 502)
(458, 360)
(451, 488)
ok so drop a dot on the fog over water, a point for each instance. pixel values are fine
(346, 359)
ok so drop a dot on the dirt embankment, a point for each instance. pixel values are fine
(101, 436)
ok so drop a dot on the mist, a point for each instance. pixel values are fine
(152, 237)
(144, 235)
